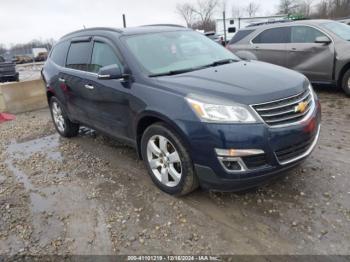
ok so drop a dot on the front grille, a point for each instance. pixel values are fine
(294, 150)
(255, 161)
(284, 111)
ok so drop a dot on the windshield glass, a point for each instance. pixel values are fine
(2, 59)
(164, 52)
(341, 30)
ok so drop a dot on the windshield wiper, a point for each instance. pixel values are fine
(222, 62)
(181, 71)
(173, 72)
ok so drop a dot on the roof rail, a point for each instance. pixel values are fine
(270, 22)
(171, 25)
(92, 29)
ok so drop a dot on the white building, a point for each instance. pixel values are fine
(234, 24)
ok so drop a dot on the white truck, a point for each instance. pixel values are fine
(234, 24)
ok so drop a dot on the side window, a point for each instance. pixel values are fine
(304, 34)
(59, 53)
(79, 56)
(102, 55)
(278, 35)
(240, 35)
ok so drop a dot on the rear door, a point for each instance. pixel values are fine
(270, 45)
(314, 60)
(73, 77)
(109, 97)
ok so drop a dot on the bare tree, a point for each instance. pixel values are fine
(288, 6)
(332, 9)
(305, 7)
(2, 49)
(185, 10)
(252, 9)
(205, 10)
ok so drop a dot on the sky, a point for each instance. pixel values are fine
(23, 20)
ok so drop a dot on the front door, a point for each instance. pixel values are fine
(312, 59)
(110, 97)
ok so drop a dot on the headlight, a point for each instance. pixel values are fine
(234, 113)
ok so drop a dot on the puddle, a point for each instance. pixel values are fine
(48, 144)
(59, 210)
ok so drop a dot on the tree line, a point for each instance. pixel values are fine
(200, 15)
(26, 48)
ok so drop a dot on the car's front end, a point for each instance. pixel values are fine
(235, 156)
(8, 72)
(242, 122)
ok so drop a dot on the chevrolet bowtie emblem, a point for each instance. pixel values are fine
(301, 107)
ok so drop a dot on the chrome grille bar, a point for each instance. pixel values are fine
(285, 111)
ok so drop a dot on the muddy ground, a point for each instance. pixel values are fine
(90, 195)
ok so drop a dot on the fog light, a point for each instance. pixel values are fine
(232, 165)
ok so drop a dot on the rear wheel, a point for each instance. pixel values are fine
(167, 160)
(346, 83)
(63, 125)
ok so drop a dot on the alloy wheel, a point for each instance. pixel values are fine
(58, 117)
(164, 160)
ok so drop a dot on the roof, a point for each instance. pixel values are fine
(129, 30)
(296, 22)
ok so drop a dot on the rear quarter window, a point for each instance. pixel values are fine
(59, 53)
(240, 35)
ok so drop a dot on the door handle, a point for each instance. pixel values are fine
(62, 80)
(89, 87)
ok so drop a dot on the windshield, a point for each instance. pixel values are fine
(164, 52)
(341, 30)
(2, 59)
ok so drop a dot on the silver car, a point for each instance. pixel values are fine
(319, 49)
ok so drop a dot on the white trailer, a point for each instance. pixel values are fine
(36, 51)
(234, 24)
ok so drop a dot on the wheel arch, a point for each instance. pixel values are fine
(149, 118)
(341, 74)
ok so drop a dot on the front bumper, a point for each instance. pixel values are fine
(205, 138)
(4, 77)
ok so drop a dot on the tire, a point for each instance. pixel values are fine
(166, 163)
(346, 83)
(63, 125)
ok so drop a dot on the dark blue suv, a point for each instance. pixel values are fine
(197, 114)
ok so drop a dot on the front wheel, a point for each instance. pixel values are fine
(167, 160)
(346, 83)
(63, 125)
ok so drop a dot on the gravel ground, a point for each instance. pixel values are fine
(90, 195)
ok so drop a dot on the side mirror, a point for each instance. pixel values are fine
(323, 40)
(110, 72)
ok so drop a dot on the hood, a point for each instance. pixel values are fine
(246, 82)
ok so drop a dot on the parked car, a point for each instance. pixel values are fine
(216, 38)
(319, 49)
(8, 70)
(195, 113)
(345, 21)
